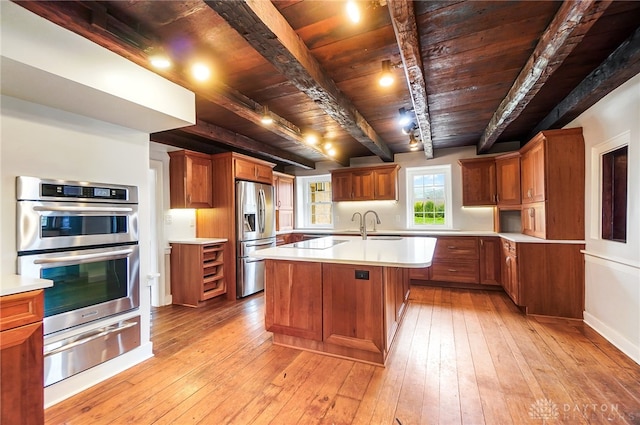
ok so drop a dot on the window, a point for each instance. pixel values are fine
(614, 195)
(429, 197)
(314, 199)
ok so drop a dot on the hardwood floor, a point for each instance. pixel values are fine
(461, 357)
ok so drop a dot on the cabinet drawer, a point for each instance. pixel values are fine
(419, 274)
(455, 271)
(21, 309)
(456, 247)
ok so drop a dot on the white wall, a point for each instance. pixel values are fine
(43, 142)
(393, 214)
(612, 269)
(72, 110)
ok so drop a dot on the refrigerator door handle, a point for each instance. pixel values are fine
(262, 206)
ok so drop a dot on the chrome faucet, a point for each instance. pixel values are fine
(360, 221)
(364, 223)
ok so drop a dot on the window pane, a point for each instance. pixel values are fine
(429, 200)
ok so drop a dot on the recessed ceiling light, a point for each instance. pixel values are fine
(200, 72)
(353, 12)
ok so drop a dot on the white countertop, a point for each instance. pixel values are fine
(199, 241)
(515, 237)
(410, 252)
(16, 284)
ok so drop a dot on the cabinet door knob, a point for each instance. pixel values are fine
(188, 198)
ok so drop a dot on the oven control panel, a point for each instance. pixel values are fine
(71, 191)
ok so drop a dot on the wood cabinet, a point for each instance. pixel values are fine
(294, 301)
(190, 177)
(478, 181)
(344, 310)
(284, 194)
(197, 272)
(552, 175)
(353, 308)
(508, 180)
(490, 261)
(545, 278)
(21, 358)
(220, 221)
(510, 280)
(455, 259)
(253, 170)
(365, 183)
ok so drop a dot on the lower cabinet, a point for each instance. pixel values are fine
(197, 272)
(340, 309)
(21, 358)
(545, 278)
(463, 259)
(294, 301)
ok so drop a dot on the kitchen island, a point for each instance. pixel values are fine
(341, 296)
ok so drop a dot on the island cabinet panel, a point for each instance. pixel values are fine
(21, 359)
(293, 294)
(353, 309)
(190, 176)
(396, 294)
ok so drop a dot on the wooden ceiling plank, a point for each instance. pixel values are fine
(566, 30)
(222, 135)
(403, 19)
(126, 41)
(262, 25)
(619, 67)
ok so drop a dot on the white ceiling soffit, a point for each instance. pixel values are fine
(43, 63)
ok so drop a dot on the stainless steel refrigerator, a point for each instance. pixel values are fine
(256, 229)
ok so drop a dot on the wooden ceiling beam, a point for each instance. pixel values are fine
(262, 25)
(214, 132)
(405, 27)
(566, 30)
(619, 67)
(114, 35)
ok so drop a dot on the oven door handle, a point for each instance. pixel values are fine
(83, 258)
(72, 209)
(103, 332)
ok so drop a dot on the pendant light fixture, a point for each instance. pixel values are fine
(413, 142)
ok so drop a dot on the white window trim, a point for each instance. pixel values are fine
(303, 207)
(448, 197)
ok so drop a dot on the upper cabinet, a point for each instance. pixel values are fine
(552, 166)
(190, 180)
(284, 191)
(478, 181)
(246, 168)
(365, 183)
(508, 181)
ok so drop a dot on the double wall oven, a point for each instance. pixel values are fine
(84, 237)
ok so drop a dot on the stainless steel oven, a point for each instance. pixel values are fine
(88, 284)
(84, 237)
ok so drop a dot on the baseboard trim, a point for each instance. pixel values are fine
(614, 337)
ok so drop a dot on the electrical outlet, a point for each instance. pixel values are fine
(168, 219)
(398, 218)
